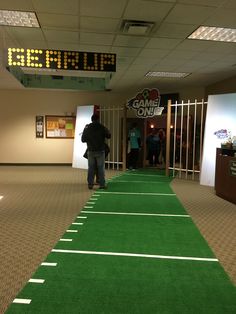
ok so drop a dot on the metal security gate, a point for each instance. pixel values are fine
(184, 138)
(114, 118)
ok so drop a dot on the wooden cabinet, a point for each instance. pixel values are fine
(225, 174)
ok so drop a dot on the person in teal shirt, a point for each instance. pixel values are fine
(134, 138)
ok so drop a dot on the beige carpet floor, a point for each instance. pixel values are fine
(40, 202)
(214, 217)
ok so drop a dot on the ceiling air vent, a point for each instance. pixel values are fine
(136, 27)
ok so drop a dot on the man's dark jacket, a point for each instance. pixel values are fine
(94, 135)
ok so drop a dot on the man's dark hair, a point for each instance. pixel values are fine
(95, 117)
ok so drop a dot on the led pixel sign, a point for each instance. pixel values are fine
(62, 60)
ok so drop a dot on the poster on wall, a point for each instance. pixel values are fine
(146, 104)
(60, 126)
(39, 127)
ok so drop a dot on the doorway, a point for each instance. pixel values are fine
(156, 126)
(146, 126)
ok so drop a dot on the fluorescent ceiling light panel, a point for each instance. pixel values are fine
(167, 74)
(214, 33)
(18, 18)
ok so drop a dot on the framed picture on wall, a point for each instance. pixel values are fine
(39, 123)
(60, 126)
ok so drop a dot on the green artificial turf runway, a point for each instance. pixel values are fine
(133, 253)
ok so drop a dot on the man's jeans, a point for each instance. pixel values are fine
(96, 160)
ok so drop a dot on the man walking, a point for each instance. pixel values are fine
(94, 134)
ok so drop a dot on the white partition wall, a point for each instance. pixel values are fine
(83, 117)
(220, 118)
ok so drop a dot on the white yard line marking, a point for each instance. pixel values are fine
(96, 194)
(49, 264)
(77, 223)
(127, 181)
(144, 175)
(22, 301)
(66, 240)
(140, 193)
(71, 231)
(88, 206)
(134, 214)
(36, 280)
(91, 203)
(205, 259)
(115, 177)
(81, 217)
(93, 199)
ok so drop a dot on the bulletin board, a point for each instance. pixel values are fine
(60, 126)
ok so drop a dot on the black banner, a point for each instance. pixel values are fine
(62, 60)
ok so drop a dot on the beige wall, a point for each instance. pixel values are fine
(224, 87)
(192, 94)
(18, 109)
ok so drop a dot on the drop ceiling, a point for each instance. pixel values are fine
(96, 25)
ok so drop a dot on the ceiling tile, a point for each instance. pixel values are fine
(174, 30)
(26, 33)
(142, 61)
(124, 61)
(208, 3)
(34, 44)
(162, 43)
(194, 45)
(58, 6)
(61, 21)
(126, 51)
(96, 38)
(147, 10)
(170, 1)
(61, 36)
(7, 39)
(189, 14)
(221, 47)
(153, 53)
(64, 46)
(184, 54)
(230, 4)
(130, 41)
(92, 25)
(211, 57)
(97, 24)
(23, 5)
(230, 58)
(218, 67)
(102, 8)
(168, 64)
(189, 67)
(222, 18)
(198, 63)
(94, 48)
(132, 74)
(144, 67)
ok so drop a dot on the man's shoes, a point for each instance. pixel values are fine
(90, 187)
(103, 187)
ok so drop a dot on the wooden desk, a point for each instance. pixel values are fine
(225, 174)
